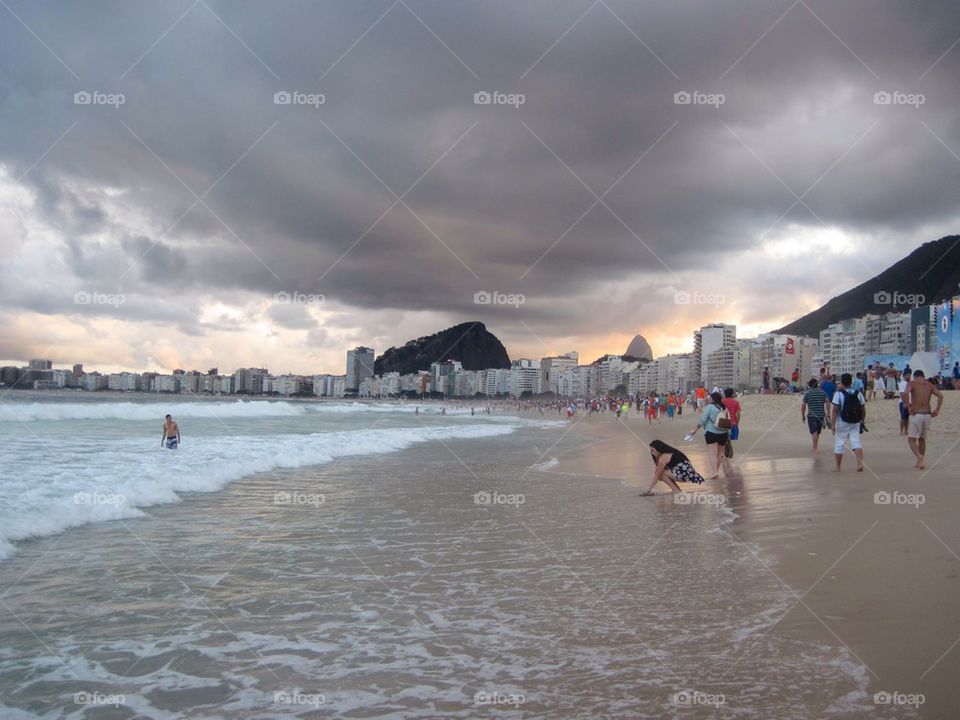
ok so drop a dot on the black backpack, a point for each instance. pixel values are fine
(851, 410)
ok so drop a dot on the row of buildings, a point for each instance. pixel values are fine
(718, 358)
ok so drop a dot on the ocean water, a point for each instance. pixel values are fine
(343, 560)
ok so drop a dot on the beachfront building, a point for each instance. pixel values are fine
(94, 381)
(895, 334)
(722, 367)
(708, 339)
(525, 378)
(552, 367)
(782, 354)
(329, 385)
(923, 329)
(359, 367)
(250, 381)
(390, 385)
(123, 382)
(844, 343)
(288, 385)
(164, 384)
(498, 382)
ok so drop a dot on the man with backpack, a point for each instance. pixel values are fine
(847, 412)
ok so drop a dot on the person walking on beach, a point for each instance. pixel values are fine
(919, 392)
(171, 434)
(765, 386)
(813, 411)
(904, 411)
(671, 467)
(732, 405)
(715, 421)
(848, 411)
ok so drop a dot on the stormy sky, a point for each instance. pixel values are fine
(200, 182)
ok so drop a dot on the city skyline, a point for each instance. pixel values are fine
(372, 173)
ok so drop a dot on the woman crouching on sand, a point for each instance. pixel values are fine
(672, 466)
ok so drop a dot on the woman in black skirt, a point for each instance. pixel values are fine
(672, 466)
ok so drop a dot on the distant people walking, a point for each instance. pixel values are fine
(848, 411)
(171, 434)
(813, 411)
(671, 467)
(918, 394)
(732, 405)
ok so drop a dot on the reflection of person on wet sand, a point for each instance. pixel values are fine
(671, 466)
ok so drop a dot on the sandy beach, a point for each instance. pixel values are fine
(504, 566)
(876, 574)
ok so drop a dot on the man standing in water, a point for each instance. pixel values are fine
(171, 434)
(917, 398)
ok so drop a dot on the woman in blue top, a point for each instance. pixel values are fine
(715, 435)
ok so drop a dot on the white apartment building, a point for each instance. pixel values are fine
(708, 339)
(287, 385)
(124, 382)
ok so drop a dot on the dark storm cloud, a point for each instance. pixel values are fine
(241, 193)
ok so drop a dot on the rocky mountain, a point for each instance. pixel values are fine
(639, 348)
(470, 343)
(928, 274)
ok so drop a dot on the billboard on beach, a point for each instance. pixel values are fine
(948, 334)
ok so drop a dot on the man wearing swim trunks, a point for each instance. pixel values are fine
(171, 434)
(917, 397)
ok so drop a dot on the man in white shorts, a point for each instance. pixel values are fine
(847, 412)
(917, 398)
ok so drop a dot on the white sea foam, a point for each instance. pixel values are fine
(213, 409)
(57, 486)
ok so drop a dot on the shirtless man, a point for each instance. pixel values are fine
(171, 434)
(917, 397)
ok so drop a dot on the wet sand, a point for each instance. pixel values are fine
(879, 575)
